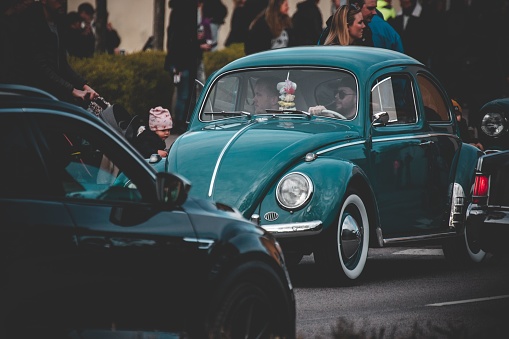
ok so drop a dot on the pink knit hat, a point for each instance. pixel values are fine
(159, 119)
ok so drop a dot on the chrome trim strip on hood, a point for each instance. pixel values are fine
(223, 151)
(295, 229)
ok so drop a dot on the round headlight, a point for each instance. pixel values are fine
(492, 124)
(294, 190)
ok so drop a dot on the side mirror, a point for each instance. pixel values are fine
(171, 189)
(380, 119)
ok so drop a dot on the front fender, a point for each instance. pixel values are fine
(330, 178)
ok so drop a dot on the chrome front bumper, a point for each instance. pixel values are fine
(296, 229)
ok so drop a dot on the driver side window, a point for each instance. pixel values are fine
(80, 165)
(395, 95)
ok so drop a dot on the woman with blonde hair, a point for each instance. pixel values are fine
(347, 26)
(270, 29)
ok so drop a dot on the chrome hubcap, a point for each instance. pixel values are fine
(351, 237)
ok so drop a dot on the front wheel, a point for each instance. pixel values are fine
(345, 249)
(252, 303)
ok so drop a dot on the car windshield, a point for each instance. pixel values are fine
(324, 92)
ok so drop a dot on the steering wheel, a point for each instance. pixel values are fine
(333, 113)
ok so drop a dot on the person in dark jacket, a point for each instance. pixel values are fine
(239, 24)
(307, 23)
(43, 55)
(413, 25)
(216, 11)
(73, 36)
(153, 140)
(87, 13)
(271, 29)
(182, 56)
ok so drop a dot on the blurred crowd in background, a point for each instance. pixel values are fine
(464, 42)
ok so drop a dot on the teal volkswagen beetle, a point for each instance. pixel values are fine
(334, 150)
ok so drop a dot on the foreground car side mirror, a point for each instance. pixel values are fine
(171, 189)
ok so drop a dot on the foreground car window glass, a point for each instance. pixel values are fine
(435, 107)
(395, 96)
(81, 165)
(263, 91)
(24, 174)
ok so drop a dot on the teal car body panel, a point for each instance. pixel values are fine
(409, 170)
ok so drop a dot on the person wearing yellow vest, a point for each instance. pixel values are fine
(385, 7)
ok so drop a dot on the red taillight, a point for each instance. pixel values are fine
(481, 185)
(481, 188)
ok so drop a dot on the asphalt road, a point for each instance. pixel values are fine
(402, 288)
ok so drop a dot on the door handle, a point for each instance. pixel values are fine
(426, 143)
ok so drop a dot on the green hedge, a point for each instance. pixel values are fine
(138, 80)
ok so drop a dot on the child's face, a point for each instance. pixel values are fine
(163, 134)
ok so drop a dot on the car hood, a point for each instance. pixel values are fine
(237, 163)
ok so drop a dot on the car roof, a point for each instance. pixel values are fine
(354, 58)
(20, 96)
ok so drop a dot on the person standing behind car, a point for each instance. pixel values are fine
(413, 26)
(347, 27)
(377, 33)
(43, 55)
(73, 36)
(216, 11)
(87, 13)
(307, 23)
(271, 29)
(238, 27)
(181, 46)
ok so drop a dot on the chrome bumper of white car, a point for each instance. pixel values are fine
(295, 229)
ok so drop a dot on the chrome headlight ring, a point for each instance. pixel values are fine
(294, 190)
(493, 124)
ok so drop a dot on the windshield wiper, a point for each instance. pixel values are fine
(288, 112)
(228, 113)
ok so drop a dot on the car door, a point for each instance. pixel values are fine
(38, 244)
(401, 163)
(132, 251)
(444, 147)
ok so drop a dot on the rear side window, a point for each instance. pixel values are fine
(435, 107)
(22, 170)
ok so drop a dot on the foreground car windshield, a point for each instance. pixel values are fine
(325, 92)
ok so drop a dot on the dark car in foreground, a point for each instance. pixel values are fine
(493, 125)
(359, 149)
(488, 213)
(83, 256)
